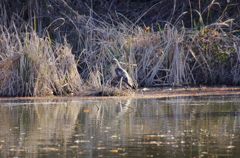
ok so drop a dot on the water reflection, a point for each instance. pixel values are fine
(174, 127)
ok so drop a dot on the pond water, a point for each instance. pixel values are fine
(171, 127)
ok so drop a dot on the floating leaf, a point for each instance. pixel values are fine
(50, 149)
(86, 110)
(81, 141)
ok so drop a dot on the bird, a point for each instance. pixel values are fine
(119, 74)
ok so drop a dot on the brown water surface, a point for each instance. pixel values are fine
(191, 127)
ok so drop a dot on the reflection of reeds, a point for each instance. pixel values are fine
(37, 126)
(57, 119)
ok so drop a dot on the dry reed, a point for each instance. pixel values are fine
(33, 64)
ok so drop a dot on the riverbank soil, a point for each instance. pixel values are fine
(187, 91)
(153, 92)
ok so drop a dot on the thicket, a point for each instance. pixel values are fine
(61, 47)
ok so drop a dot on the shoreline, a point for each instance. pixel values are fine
(154, 92)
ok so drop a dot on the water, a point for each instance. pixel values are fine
(173, 127)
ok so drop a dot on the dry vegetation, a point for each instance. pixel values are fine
(32, 66)
(63, 47)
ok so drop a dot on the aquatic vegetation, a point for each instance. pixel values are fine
(42, 53)
(32, 66)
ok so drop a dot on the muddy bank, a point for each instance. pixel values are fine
(150, 93)
(193, 91)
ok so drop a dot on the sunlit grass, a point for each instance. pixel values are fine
(33, 66)
(40, 63)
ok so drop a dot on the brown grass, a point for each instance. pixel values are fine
(37, 60)
(32, 66)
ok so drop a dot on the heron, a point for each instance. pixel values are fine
(119, 74)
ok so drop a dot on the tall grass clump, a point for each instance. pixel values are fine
(169, 56)
(34, 66)
(163, 56)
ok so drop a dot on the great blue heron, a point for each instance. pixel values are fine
(119, 74)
